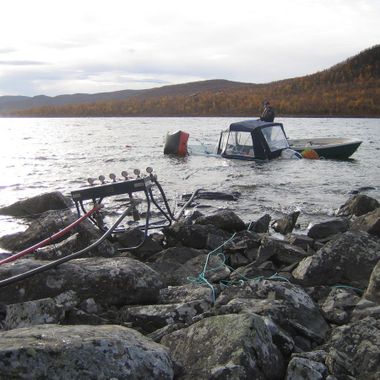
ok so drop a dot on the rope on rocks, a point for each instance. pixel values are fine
(218, 252)
(201, 278)
(340, 286)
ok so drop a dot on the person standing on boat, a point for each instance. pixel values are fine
(268, 112)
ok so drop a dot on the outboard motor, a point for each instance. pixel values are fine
(176, 143)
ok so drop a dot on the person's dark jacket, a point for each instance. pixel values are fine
(268, 114)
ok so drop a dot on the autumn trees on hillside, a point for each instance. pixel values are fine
(351, 88)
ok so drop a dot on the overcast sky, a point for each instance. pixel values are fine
(60, 47)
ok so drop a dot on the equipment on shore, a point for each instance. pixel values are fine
(96, 193)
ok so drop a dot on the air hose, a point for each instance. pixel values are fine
(50, 239)
(54, 264)
(175, 218)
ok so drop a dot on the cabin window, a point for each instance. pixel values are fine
(240, 143)
(275, 138)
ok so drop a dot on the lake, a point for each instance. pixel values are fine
(42, 155)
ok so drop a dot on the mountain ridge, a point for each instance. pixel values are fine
(349, 88)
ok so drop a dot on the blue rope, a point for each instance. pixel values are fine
(339, 286)
(202, 277)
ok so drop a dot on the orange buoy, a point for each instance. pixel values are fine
(310, 154)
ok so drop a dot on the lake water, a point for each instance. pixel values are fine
(41, 155)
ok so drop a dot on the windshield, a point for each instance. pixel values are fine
(240, 143)
(275, 138)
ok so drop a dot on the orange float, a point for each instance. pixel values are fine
(310, 154)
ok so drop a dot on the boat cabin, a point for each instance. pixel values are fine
(253, 140)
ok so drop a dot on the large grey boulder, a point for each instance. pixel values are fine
(226, 220)
(43, 311)
(180, 266)
(134, 237)
(358, 205)
(353, 350)
(116, 281)
(280, 252)
(197, 236)
(339, 305)
(369, 222)
(301, 368)
(226, 347)
(82, 352)
(328, 228)
(347, 260)
(153, 317)
(373, 290)
(184, 293)
(50, 223)
(37, 205)
(288, 305)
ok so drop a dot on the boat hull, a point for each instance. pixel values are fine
(327, 148)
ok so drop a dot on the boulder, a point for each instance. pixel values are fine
(280, 252)
(286, 224)
(353, 350)
(153, 317)
(226, 347)
(252, 271)
(347, 260)
(118, 281)
(369, 222)
(242, 249)
(72, 244)
(43, 311)
(37, 205)
(328, 228)
(261, 225)
(195, 236)
(134, 237)
(180, 266)
(82, 352)
(288, 305)
(365, 308)
(170, 263)
(339, 305)
(373, 290)
(184, 293)
(226, 220)
(358, 205)
(303, 241)
(300, 368)
(47, 225)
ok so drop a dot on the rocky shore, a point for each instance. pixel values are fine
(210, 297)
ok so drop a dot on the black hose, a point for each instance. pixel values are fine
(195, 193)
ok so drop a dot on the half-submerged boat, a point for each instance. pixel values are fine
(335, 148)
(260, 140)
(243, 140)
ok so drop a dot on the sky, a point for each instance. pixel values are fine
(90, 46)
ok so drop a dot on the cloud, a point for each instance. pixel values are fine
(22, 63)
(89, 46)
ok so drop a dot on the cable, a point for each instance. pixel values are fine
(50, 239)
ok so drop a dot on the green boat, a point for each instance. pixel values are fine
(331, 148)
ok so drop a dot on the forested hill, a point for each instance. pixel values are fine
(350, 88)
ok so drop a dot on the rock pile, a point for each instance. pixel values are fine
(210, 297)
